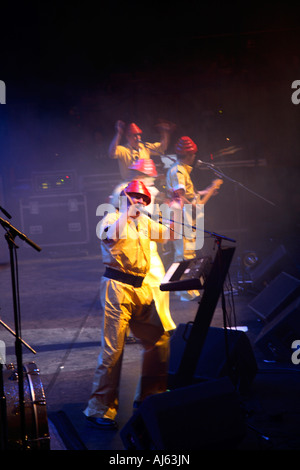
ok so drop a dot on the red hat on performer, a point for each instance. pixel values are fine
(133, 129)
(137, 187)
(145, 166)
(185, 146)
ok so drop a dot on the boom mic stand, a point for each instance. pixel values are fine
(11, 233)
(222, 175)
(237, 184)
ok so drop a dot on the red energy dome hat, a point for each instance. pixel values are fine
(133, 129)
(185, 146)
(137, 187)
(145, 165)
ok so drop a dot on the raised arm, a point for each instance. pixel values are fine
(119, 127)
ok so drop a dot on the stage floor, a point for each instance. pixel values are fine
(61, 321)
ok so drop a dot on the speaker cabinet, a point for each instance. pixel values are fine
(275, 297)
(225, 353)
(55, 219)
(202, 416)
(270, 267)
(276, 338)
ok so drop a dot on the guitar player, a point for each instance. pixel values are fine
(181, 191)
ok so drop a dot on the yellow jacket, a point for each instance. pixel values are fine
(178, 177)
(129, 250)
(127, 155)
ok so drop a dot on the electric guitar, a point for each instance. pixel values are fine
(216, 184)
(180, 201)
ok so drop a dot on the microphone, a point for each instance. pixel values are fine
(143, 211)
(17, 232)
(142, 142)
(210, 166)
(201, 162)
(5, 212)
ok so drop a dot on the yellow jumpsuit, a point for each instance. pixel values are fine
(157, 270)
(127, 155)
(127, 306)
(178, 177)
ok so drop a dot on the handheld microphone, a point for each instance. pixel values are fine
(143, 211)
(142, 142)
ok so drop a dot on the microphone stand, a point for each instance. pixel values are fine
(221, 174)
(7, 214)
(14, 334)
(3, 419)
(166, 223)
(10, 235)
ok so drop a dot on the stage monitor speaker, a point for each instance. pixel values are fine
(202, 416)
(225, 353)
(276, 296)
(270, 267)
(276, 338)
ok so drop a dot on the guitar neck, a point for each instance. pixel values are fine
(204, 199)
(211, 190)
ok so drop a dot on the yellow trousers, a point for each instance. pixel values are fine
(126, 306)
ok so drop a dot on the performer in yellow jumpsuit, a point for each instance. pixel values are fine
(144, 170)
(128, 302)
(134, 149)
(182, 192)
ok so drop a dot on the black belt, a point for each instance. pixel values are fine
(135, 281)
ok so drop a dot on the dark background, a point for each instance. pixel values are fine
(220, 71)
